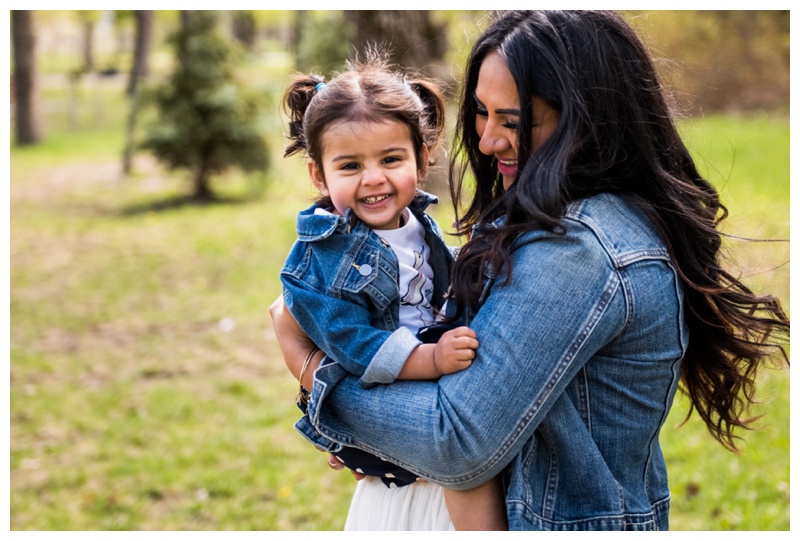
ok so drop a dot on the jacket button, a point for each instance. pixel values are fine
(365, 270)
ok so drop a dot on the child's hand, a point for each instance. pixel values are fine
(455, 350)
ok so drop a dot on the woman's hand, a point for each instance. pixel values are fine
(334, 463)
(294, 343)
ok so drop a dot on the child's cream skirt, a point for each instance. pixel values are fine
(418, 506)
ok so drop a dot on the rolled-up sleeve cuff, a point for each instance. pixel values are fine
(326, 377)
(308, 431)
(390, 358)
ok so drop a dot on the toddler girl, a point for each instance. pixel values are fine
(370, 270)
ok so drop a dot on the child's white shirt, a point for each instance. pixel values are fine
(416, 274)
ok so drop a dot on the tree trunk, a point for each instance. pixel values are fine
(141, 52)
(185, 15)
(185, 21)
(202, 185)
(130, 135)
(297, 36)
(244, 28)
(23, 38)
(412, 38)
(88, 45)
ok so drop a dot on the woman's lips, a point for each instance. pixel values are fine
(507, 168)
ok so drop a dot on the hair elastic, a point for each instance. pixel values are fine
(320, 86)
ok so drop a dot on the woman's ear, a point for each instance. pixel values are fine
(423, 162)
(317, 177)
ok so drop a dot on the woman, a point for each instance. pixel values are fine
(591, 278)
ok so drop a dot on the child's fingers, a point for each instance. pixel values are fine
(461, 354)
(456, 365)
(461, 332)
(462, 337)
(463, 347)
(465, 342)
(463, 365)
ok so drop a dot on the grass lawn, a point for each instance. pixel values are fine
(146, 387)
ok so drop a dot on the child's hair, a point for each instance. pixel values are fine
(367, 92)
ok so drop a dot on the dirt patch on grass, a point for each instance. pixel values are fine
(49, 184)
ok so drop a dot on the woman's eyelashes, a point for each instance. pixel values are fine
(480, 110)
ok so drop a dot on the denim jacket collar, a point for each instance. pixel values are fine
(313, 227)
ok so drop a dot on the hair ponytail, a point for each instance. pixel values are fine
(433, 111)
(296, 100)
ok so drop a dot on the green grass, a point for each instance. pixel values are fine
(713, 489)
(134, 406)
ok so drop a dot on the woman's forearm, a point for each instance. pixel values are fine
(295, 345)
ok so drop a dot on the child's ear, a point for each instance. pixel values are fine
(423, 162)
(317, 177)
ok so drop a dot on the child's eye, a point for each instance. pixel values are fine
(391, 159)
(352, 166)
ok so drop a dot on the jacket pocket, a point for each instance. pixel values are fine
(371, 275)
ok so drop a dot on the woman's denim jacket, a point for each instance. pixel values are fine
(578, 364)
(340, 282)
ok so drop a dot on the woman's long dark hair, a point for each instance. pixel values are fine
(615, 135)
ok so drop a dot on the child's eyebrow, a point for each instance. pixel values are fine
(344, 157)
(395, 149)
(347, 157)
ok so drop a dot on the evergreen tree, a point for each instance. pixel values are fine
(207, 121)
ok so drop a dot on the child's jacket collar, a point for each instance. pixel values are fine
(312, 227)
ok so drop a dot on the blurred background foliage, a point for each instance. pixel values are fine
(147, 390)
(717, 60)
(727, 52)
(714, 61)
(721, 61)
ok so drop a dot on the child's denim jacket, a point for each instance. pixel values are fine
(340, 282)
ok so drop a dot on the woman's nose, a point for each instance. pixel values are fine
(492, 142)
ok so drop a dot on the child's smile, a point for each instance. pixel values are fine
(370, 167)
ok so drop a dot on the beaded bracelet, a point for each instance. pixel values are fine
(303, 395)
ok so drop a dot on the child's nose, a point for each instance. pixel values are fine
(373, 176)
